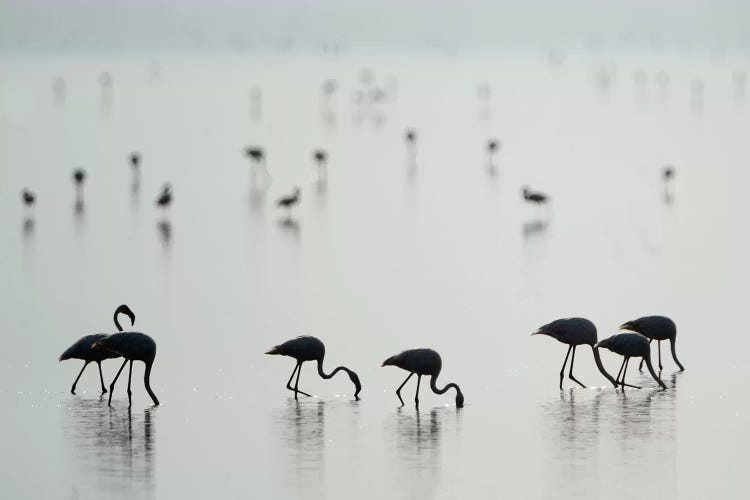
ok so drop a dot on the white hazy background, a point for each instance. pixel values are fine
(589, 100)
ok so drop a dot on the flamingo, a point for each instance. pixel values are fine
(655, 328)
(28, 197)
(309, 348)
(83, 348)
(574, 332)
(534, 197)
(133, 346)
(422, 362)
(255, 153)
(492, 146)
(320, 157)
(289, 201)
(411, 136)
(165, 197)
(630, 345)
(135, 161)
(79, 176)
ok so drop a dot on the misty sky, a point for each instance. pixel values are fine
(165, 24)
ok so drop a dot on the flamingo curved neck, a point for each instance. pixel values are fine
(436, 390)
(599, 365)
(117, 323)
(334, 372)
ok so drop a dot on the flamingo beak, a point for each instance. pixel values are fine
(626, 326)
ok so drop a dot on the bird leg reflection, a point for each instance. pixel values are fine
(289, 383)
(398, 391)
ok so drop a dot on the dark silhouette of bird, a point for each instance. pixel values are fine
(133, 346)
(422, 362)
(492, 146)
(165, 197)
(28, 197)
(574, 332)
(630, 345)
(84, 349)
(320, 157)
(255, 153)
(79, 177)
(289, 201)
(534, 197)
(308, 348)
(667, 173)
(135, 161)
(411, 136)
(656, 328)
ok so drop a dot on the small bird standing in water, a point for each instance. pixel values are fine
(629, 345)
(133, 346)
(165, 197)
(536, 198)
(422, 362)
(308, 348)
(289, 201)
(28, 197)
(574, 332)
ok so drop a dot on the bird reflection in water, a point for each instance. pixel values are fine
(28, 226)
(290, 226)
(164, 228)
(114, 450)
(302, 426)
(534, 227)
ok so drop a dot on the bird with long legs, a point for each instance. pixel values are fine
(309, 348)
(28, 198)
(321, 159)
(133, 346)
(492, 146)
(574, 332)
(79, 177)
(667, 174)
(165, 196)
(288, 202)
(630, 345)
(422, 362)
(84, 349)
(656, 328)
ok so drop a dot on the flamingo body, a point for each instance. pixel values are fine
(422, 361)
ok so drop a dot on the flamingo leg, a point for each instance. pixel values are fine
(570, 374)
(658, 343)
(112, 385)
(289, 383)
(101, 377)
(640, 366)
(73, 389)
(562, 370)
(296, 382)
(627, 361)
(416, 396)
(620, 372)
(398, 391)
(130, 376)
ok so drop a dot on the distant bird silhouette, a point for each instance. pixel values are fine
(320, 157)
(492, 146)
(308, 348)
(256, 154)
(135, 161)
(655, 328)
(667, 173)
(28, 197)
(422, 362)
(574, 332)
(534, 197)
(165, 197)
(411, 136)
(84, 349)
(79, 177)
(133, 346)
(289, 201)
(630, 345)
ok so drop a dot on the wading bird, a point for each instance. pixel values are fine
(256, 154)
(165, 197)
(422, 362)
(574, 332)
(308, 348)
(411, 136)
(655, 328)
(84, 348)
(630, 345)
(28, 197)
(79, 177)
(135, 161)
(534, 197)
(320, 157)
(289, 201)
(133, 346)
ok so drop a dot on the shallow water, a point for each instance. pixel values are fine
(383, 255)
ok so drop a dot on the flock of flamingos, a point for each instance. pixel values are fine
(633, 342)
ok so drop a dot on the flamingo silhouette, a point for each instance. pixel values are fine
(165, 197)
(83, 348)
(308, 348)
(28, 197)
(574, 332)
(422, 362)
(135, 160)
(133, 346)
(320, 157)
(630, 345)
(655, 328)
(79, 177)
(534, 197)
(289, 201)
